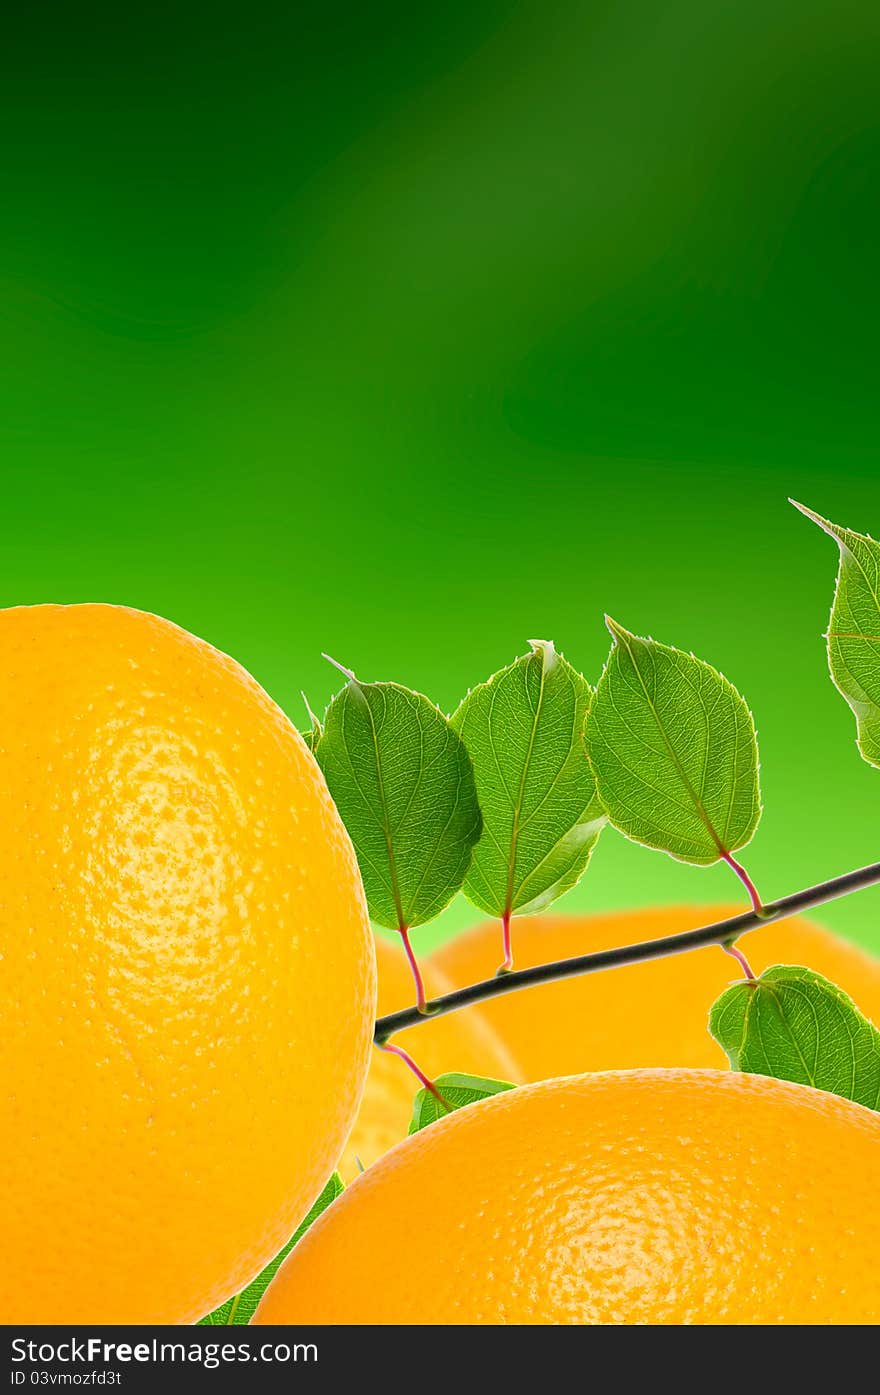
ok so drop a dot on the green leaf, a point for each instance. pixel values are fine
(672, 745)
(313, 735)
(238, 1311)
(458, 1091)
(793, 1024)
(404, 787)
(854, 631)
(524, 731)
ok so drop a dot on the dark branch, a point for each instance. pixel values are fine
(720, 933)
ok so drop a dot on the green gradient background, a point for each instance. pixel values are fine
(410, 334)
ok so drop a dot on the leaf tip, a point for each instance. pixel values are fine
(547, 650)
(814, 517)
(349, 673)
(617, 632)
(313, 719)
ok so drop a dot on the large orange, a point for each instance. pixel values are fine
(626, 1197)
(187, 983)
(651, 1014)
(462, 1041)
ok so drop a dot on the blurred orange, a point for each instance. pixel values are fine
(651, 1014)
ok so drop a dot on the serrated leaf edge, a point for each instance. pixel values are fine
(839, 534)
(618, 633)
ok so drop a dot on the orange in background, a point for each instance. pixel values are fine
(651, 1014)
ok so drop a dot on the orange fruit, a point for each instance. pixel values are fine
(626, 1197)
(651, 1014)
(187, 985)
(463, 1041)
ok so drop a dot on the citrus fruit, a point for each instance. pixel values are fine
(188, 982)
(656, 1196)
(651, 1014)
(462, 1041)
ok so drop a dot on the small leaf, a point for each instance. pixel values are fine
(524, 731)
(403, 784)
(458, 1091)
(672, 745)
(238, 1311)
(854, 631)
(315, 730)
(793, 1024)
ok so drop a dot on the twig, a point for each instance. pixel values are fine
(721, 932)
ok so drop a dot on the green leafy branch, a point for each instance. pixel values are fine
(505, 799)
(722, 932)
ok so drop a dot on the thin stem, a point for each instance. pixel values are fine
(719, 933)
(741, 960)
(421, 998)
(757, 903)
(419, 1074)
(508, 948)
